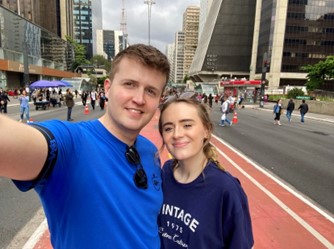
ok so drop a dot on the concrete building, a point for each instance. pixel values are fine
(178, 57)
(190, 30)
(170, 51)
(225, 45)
(241, 37)
(96, 21)
(205, 6)
(86, 21)
(289, 35)
(109, 43)
(29, 53)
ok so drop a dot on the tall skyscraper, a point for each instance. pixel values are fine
(225, 45)
(96, 21)
(291, 34)
(178, 57)
(204, 11)
(240, 37)
(190, 30)
(86, 20)
(54, 16)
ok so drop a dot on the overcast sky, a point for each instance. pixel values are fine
(166, 19)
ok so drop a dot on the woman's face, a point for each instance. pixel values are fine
(183, 131)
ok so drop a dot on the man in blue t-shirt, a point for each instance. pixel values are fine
(99, 181)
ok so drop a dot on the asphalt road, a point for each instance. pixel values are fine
(300, 154)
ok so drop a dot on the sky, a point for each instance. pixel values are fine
(166, 19)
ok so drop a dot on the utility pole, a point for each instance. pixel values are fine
(263, 78)
(149, 6)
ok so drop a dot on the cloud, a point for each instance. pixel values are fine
(166, 19)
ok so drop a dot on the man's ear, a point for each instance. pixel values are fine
(107, 85)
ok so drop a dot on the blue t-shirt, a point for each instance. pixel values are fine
(90, 198)
(210, 212)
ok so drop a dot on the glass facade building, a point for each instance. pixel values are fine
(82, 23)
(307, 36)
(21, 41)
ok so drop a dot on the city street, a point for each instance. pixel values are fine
(298, 156)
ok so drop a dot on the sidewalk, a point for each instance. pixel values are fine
(315, 116)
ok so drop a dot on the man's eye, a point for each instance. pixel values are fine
(152, 92)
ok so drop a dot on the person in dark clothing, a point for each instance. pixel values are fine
(303, 108)
(289, 109)
(3, 101)
(84, 97)
(102, 100)
(210, 98)
(69, 101)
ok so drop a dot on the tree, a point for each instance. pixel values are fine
(293, 93)
(79, 53)
(99, 61)
(318, 73)
(185, 78)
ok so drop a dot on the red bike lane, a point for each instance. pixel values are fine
(281, 217)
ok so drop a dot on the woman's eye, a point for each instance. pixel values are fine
(167, 129)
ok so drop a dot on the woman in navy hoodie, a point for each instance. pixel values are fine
(204, 205)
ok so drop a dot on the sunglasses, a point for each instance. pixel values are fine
(185, 95)
(140, 177)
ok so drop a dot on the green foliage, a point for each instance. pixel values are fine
(79, 53)
(293, 93)
(318, 73)
(100, 62)
(185, 78)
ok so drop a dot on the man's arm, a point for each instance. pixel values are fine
(23, 150)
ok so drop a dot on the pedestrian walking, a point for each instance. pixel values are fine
(3, 101)
(69, 102)
(277, 110)
(93, 98)
(102, 100)
(90, 174)
(303, 109)
(210, 100)
(84, 97)
(289, 109)
(24, 106)
(225, 109)
(196, 185)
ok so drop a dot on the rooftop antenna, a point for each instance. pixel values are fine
(123, 27)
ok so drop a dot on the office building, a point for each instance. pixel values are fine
(225, 45)
(178, 57)
(291, 34)
(241, 37)
(190, 30)
(29, 50)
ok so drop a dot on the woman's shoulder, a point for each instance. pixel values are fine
(221, 178)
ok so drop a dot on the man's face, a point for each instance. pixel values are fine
(133, 97)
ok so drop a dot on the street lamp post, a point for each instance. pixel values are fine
(263, 78)
(149, 6)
